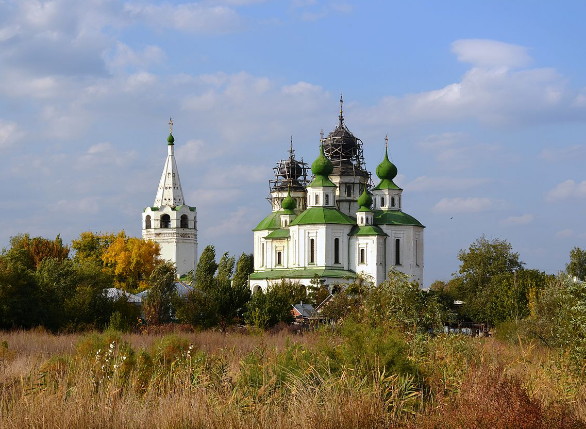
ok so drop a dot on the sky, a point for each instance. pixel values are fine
(484, 104)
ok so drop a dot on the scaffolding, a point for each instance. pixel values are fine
(290, 175)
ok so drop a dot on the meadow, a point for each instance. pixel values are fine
(349, 377)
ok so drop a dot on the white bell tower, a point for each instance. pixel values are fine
(170, 222)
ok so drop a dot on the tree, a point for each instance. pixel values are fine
(487, 270)
(267, 309)
(577, 265)
(91, 246)
(244, 267)
(19, 295)
(225, 268)
(32, 251)
(206, 269)
(157, 305)
(131, 261)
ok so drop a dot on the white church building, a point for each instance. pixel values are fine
(169, 221)
(338, 224)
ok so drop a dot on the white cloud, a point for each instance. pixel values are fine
(554, 154)
(79, 206)
(425, 183)
(518, 220)
(490, 53)
(9, 134)
(464, 205)
(124, 56)
(564, 233)
(198, 151)
(568, 189)
(188, 17)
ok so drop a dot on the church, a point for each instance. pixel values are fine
(338, 224)
(169, 221)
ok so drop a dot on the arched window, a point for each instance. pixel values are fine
(316, 199)
(312, 251)
(362, 258)
(184, 222)
(392, 201)
(147, 222)
(336, 250)
(327, 199)
(165, 221)
(382, 201)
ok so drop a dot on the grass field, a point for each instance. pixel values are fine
(357, 379)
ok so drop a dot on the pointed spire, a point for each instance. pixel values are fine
(169, 192)
(341, 109)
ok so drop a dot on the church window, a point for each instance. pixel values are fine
(397, 251)
(184, 221)
(417, 252)
(312, 250)
(362, 256)
(147, 222)
(262, 255)
(165, 221)
(382, 201)
(327, 198)
(336, 250)
(279, 257)
(316, 199)
(348, 190)
(392, 201)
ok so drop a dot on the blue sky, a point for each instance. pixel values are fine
(484, 104)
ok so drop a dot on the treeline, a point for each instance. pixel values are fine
(46, 283)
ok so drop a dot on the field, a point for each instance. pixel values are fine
(358, 377)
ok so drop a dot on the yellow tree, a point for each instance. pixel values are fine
(131, 261)
(91, 247)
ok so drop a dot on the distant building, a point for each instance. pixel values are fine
(337, 225)
(169, 221)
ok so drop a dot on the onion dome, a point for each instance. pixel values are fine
(364, 201)
(289, 203)
(171, 139)
(322, 166)
(386, 169)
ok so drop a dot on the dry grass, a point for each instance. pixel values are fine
(238, 380)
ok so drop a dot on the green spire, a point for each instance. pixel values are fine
(321, 168)
(364, 201)
(289, 204)
(171, 139)
(386, 171)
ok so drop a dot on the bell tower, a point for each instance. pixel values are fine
(169, 221)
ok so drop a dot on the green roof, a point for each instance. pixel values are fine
(321, 181)
(301, 274)
(387, 184)
(321, 215)
(394, 217)
(277, 234)
(367, 230)
(272, 221)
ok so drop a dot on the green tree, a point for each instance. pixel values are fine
(91, 246)
(267, 309)
(487, 269)
(206, 269)
(157, 305)
(244, 267)
(19, 295)
(225, 268)
(577, 265)
(30, 252)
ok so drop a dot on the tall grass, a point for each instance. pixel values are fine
(363, 378)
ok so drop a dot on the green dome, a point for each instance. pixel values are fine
(171, 139)
(322, 166)
(364, 200)
(386, 169)
(289, 203)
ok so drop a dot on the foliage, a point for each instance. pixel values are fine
(157, 305)
(91, 246)
(20, 298)
(244, 267)
(577, 265)
(131, 261)
(267, 309)
(206, 269)
(558, 316)
(30, 252)
(225, 268)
